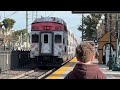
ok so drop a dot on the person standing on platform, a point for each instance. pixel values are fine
(84, 69)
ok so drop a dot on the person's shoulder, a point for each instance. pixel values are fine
(101, 75)
(70, 75)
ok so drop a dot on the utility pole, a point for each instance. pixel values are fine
(4, 14)
(21, 40)
(4, 35)
(117, 36)
(27, 30)
(116, 66)
(32, 16)
(82, 27)
(12, 40)
(106, 18)
(45, 13)
(111, 61)
(36, 14)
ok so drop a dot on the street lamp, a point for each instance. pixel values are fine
(116, 66)
(111, 59)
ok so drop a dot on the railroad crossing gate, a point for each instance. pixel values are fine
(105, 39)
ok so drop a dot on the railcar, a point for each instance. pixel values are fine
(52, 44)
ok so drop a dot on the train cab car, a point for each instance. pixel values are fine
(50, 42)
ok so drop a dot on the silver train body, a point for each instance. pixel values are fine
(51, 46)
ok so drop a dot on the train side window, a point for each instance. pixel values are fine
(67, 42)
(65, 49)
(35, 38)
(58, 38)
(45, 38)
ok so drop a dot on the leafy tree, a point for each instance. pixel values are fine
(1, 26)
(23, 32)
(89, 26)
(8, 25)
(18, 33)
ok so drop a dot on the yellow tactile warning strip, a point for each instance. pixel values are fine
(62, 72)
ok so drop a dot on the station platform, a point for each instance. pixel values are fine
(65, 69)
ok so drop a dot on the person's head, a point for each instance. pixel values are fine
(85, 52)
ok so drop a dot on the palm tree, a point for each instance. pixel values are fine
(8, 25)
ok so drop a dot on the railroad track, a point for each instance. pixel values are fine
(25, 74)
(34, 74)
(37, 74)
(12, 73)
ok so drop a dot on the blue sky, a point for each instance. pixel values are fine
(72, 20)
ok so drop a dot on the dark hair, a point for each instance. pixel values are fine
(84, 51)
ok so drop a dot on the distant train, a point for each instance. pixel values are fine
(52, 44)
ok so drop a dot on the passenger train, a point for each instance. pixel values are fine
(52, 44)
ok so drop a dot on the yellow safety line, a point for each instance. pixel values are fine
(61, 70)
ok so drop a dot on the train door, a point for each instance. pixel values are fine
(46, 43)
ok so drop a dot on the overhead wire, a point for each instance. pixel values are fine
(11, 14)
(51, 13)
(45, 14)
